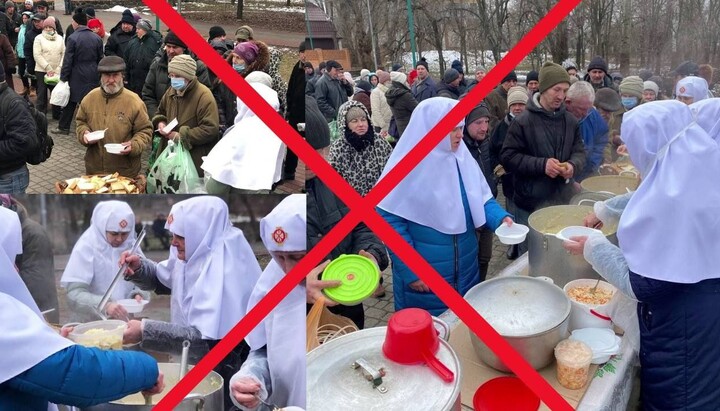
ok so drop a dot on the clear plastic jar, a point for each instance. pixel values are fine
(573, 363)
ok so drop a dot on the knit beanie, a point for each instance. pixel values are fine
(183, 66)
(172, 38)
(398, 76)
(353, 113)
(478, 112)
(607, 99)
(598, 63)
(450, 75)
(396, 67)
(552, 74)
(632, 85)
(457, 65)
(423, 63)
(364, 85)
(261, 77)
(9, 4)
(90, 11)
(532, 76)
(517, 94)
(383, 76)
(144, 24)
(127, 17)
(216, 31)
(650, 85)
(364, 72)
(50, 22)
(511, 76)
(80, 18)
(248, 51)
(92, 23)
(244, 33)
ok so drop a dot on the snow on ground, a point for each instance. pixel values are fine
(120, 9)
(449, 56)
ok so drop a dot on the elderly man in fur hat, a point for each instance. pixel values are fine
(121, 113)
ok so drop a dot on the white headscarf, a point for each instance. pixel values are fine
(691, 86)
(430, 194)
(283, 330)
(93, 260)
(250, 155)
(707, 115)
(210, 290)
(680, 165)
(25, 339)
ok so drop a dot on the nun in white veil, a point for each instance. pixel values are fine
(210, 274)
(437, 208)
(707, 115)
(275, 369)
(94, 260)
(38, 366)
(668, 257)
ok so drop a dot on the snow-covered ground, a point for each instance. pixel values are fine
(449, 56)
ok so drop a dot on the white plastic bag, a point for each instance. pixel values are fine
(60, 95)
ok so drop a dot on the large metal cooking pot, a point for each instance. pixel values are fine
(546, 255)
(530, 313)
(616, 185)
(207, 396)
(352, 373)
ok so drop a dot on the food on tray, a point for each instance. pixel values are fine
(585, 295)
(109, 184)
(573, 363)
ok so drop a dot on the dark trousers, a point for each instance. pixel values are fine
(68, 113)
(9, 77)
(22, 69)
(43, 91)
(485, 242)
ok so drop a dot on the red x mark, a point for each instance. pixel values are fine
(363, 208)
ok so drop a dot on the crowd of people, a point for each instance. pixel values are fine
(131, 82)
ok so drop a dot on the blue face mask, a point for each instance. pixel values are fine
(239, 67)
(629, 102)
(178, 83)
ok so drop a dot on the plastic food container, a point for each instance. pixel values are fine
(602, 341)
(514, 234)
(359, 276)
(573, 363)
(96, 135)
(114, 148)
(133, 306)
(107, 334)
(586, 314)
(576, 231)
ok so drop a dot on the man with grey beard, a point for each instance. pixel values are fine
(122, 114)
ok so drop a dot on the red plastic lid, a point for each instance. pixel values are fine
(505, 393)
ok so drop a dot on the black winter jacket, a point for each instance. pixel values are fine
(480, 150)
(402, 104)
(139, 54)
(117, 44)
(17, 132)
(330, 94)
(535, 136)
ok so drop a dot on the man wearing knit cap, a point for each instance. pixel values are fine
(17, 136)
(476, 137)
(597, 74)
(194, 107)
(650, 91)
(10, 22)
(217, 38)
(450, 86)
(120, 35)
(457, 65)
(121, 113)
(140, 53)
(594, 130)
(533, 83)
(83, 52)
(424, 87)
(543, 148)
(332, 90)
(497, 99)
(157, 81)
(631, 92)
(610, 108)
(244, 33)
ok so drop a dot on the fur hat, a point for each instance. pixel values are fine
(607, 99)
(552, 74)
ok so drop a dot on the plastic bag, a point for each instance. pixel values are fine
(334, 132)
(154, 151)
(173, 172)
(60, 95)
(52, 80)
(322, 325)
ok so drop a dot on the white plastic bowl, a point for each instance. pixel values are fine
(114, 148)
(576, 231)
(589, 315)
(514, 234)
(96, 135)
(603, 342)
(133, 306)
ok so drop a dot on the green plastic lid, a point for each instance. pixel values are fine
(359, 276)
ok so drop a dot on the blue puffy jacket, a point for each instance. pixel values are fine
(594, 132)
(80, 377)
(455, 257)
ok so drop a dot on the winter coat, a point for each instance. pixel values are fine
(496, 143)
(7, 25)
(480, 150)
(82, 55)
(117, 44)
(610, 153)
(607, 82)
(453, 256)
(157, 81)
(424, 89)
(273, 70)
(17, 137)
(381, 112)
(310, 85)
(296, 95)
(20, 46)
(364, 98)
(361, 169)
(679, 330)
(36, 266)
(30, 33)
(123, 115)
(7, 54)
(445, 90)
(324, 211)
(198, 120)
(138, 56)
(330, 94)
(11, 24)
(594, 132)
(402, 104)
(496, 101)
(48, 52)
(64, 378)
(535, 136)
